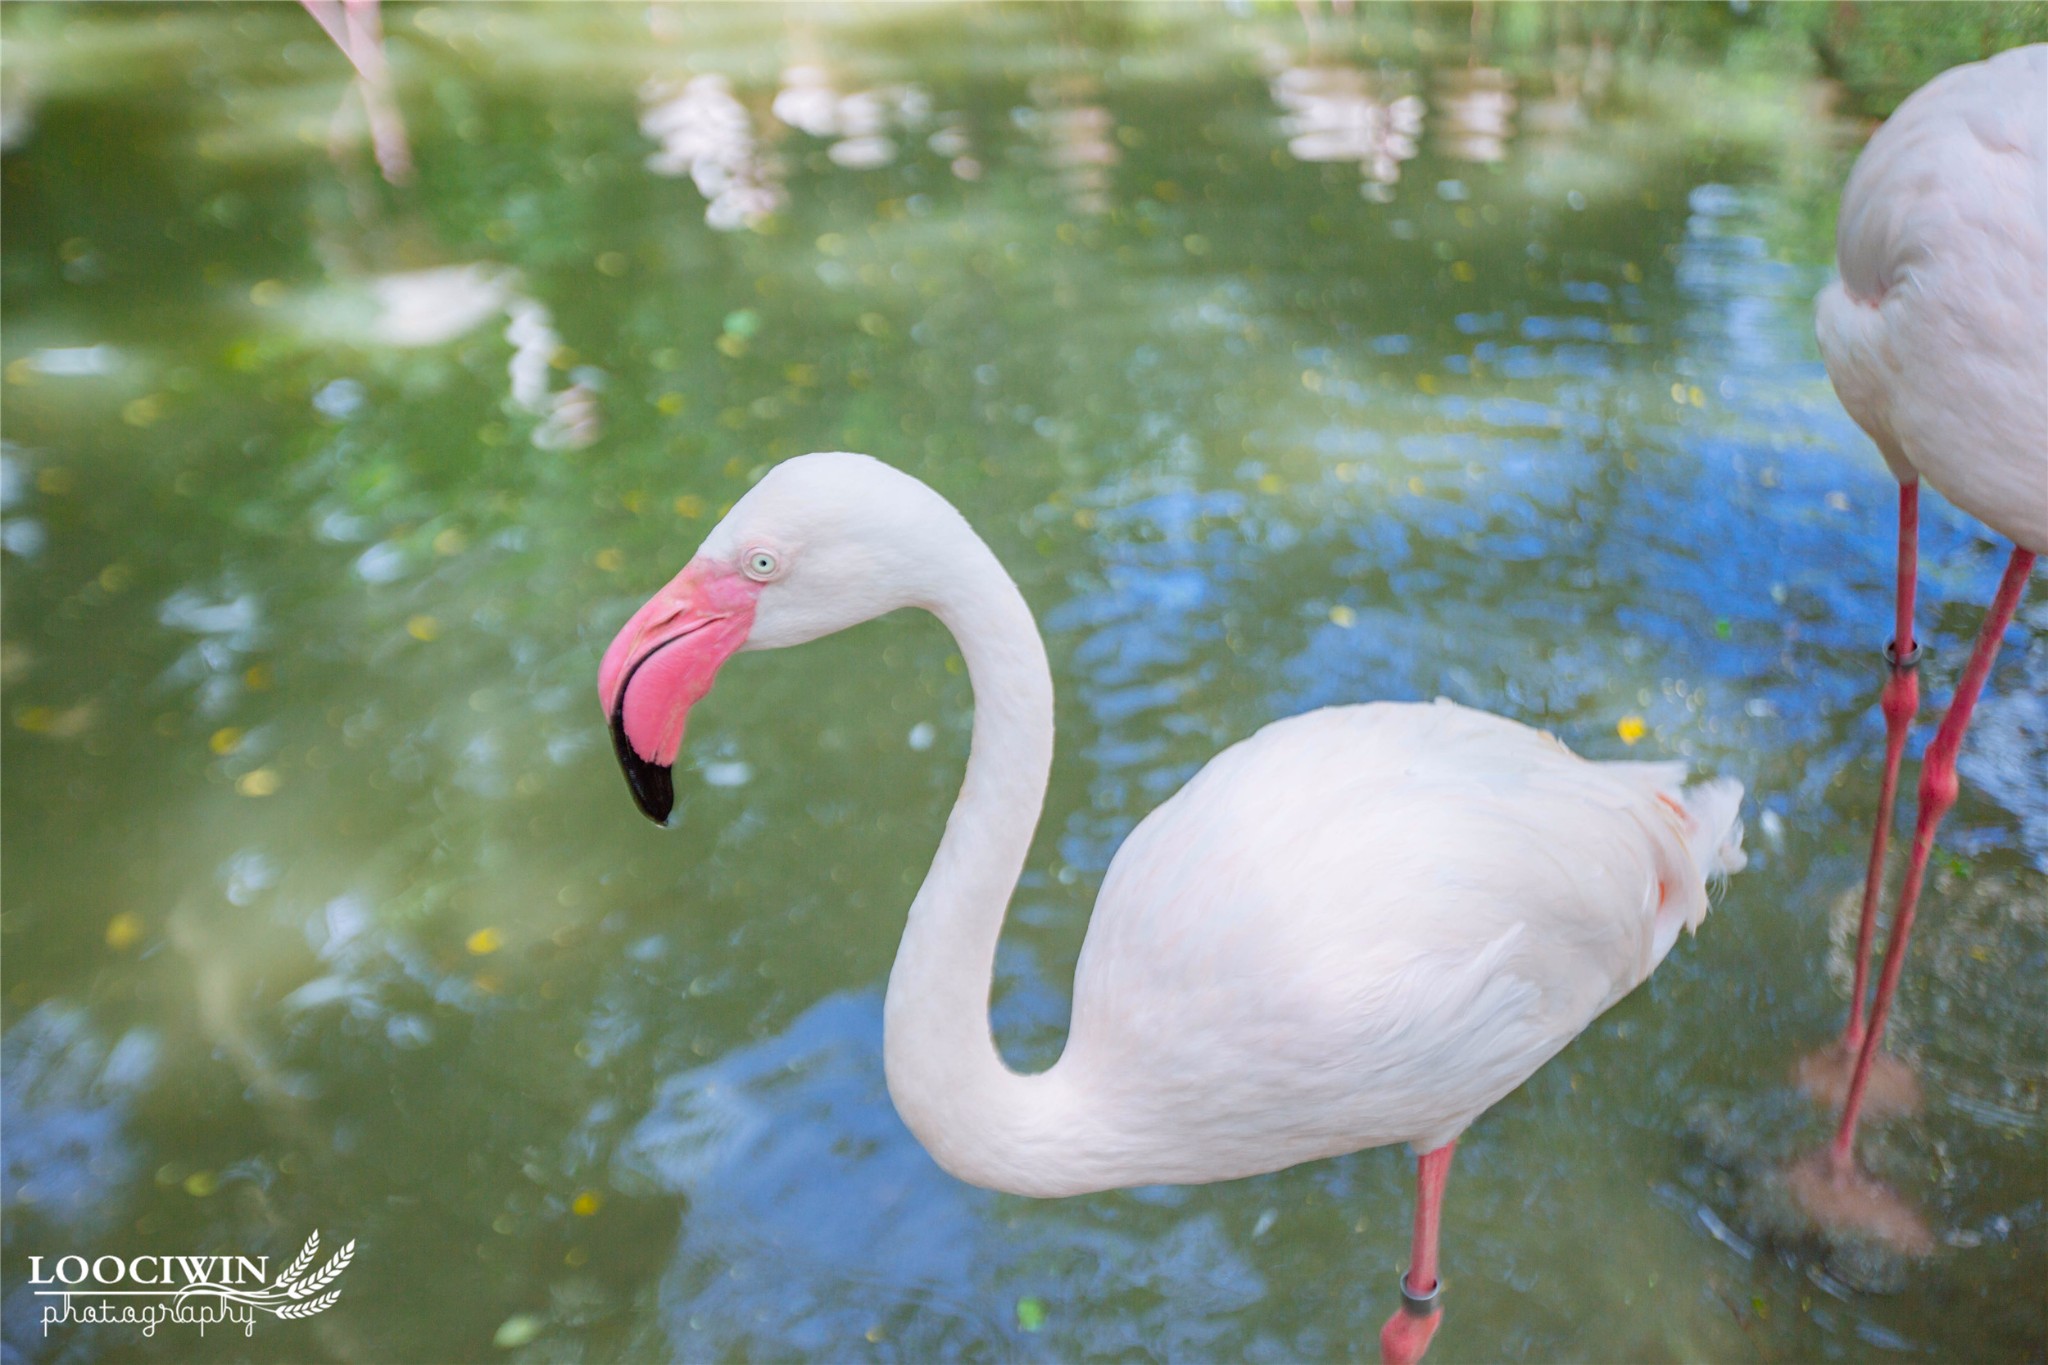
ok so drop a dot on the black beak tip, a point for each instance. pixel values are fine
(653, 784)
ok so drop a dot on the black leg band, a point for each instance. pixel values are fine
(1420, 1305)
(1897, 664)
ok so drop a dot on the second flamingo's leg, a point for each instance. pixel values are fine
(1406, 1334)
(1899, 701)
(1938, 789)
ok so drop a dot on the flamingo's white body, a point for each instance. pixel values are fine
(1936, 334)
(1360, 926)
(1936, 338)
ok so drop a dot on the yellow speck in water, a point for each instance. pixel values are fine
(423, 628)
(200, 1184)
(262, 782)
(142, 412)
(611, 561)
(1085, 519)
(1632, 272)
(671, 404)
(1416, 486)
(56, 481)
(37, 720)
(1343, 617)
(1426, 382)
(1311, 381)
(587, 1203)
(690, 505)
(1271, 483)
(116, 576)
(1695, 397)
(575, 1256)
(450, 542)
(484, 941)
(1678, 393)
(224, 740)
(1631, 729)
(259, 678)
(267, 293)
(1462, 272)
(874, 1334)
(123, 930)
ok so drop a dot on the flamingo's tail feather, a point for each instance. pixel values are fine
(1713, 831)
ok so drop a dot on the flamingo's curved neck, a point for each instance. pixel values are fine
(982, 1121)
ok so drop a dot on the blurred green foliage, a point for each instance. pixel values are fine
(1880, 52)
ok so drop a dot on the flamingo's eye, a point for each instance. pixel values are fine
(761, 565)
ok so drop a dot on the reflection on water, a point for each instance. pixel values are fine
(1475, 113)
(324, 907)
(1079, 139)
(858, 124)
(433, 307)
(707, 134)
(1334, 115)
(802, 1183)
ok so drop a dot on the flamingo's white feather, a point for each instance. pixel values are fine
(1936, 334)
(1366, 925)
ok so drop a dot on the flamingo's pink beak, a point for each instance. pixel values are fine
(662, 663)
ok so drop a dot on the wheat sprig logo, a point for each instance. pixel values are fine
(294, 1294)
(300, 1262)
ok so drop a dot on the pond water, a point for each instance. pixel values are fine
(1282, 368)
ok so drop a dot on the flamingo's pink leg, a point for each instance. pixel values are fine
(357, 29)
(1900, 701)
(380, 106)
(1937, 793)
(1406, 1334)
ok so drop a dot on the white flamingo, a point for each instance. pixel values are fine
(1936, 338)
(1360, 926)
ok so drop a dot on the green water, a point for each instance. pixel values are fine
(326, 907)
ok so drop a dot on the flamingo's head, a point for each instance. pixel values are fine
(821, 543)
